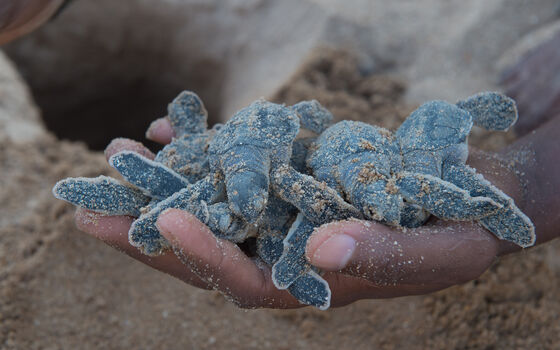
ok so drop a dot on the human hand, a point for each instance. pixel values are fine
(363, 259)
(113, 230)
(441, 254)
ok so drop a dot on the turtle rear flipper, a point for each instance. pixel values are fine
(508, 223)
(444, 199)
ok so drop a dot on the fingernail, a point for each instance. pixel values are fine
(178, 225)
(122, 144)
(168, 221)
(334, 253)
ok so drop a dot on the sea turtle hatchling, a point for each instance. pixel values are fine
(257, 153)
(191, 173)
(400, 179)
(181, 165)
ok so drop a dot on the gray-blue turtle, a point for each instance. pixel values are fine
(256, 147)
(255, 142)
(401, 179)
(179, 166)
(441, 150)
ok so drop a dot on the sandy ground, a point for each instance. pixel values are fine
(103, 61)
(61, 289)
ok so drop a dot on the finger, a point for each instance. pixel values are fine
(221, 263)
(160, 131)
(113, 230)
(436, 255)
(122, 144)
(347, 289)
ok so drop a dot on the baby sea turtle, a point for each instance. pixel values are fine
(262, 162)
(180, 166)
(400, 179)
(220, 175)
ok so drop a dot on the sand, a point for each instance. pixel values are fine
(61, 289)
(88, 68)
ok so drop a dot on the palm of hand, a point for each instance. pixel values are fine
(383, 262)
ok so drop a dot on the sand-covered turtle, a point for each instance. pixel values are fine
(220, 175)
(263, 164)
(182, 165)
(401, 179)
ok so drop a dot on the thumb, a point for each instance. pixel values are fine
(439, 254)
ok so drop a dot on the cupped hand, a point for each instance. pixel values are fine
(198, 258)
(362, 259)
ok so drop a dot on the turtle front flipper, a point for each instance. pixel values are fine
(292, 263)
(508, 223)
(313, 116)
(490, 110)
(152, 177)
(187, 114)
(317, 201)
(318, 204)
(195, 198)
(311, 289)
(444, 199)
(102, 194)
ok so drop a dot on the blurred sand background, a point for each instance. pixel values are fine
(104, 69)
